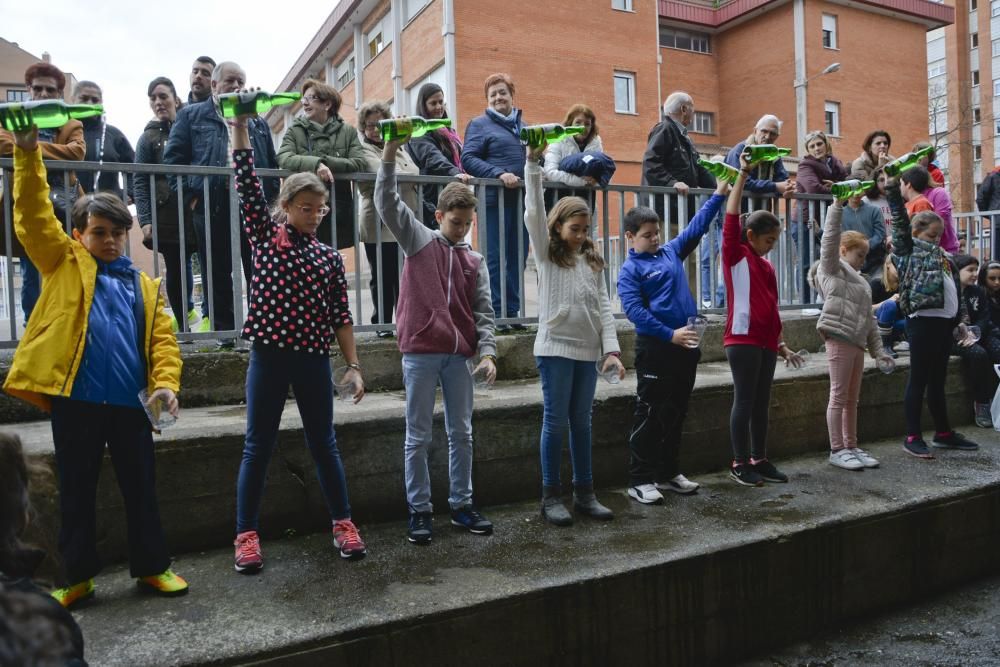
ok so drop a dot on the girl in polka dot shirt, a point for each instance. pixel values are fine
(298, 301)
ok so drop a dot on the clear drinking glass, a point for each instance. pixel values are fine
(158, 413)
(698, 324)
(343, 388)
(611, 375)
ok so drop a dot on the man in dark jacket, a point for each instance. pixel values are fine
(988, 199)
(671, 159)
(200, 79)
(105, 143)
(201, 136)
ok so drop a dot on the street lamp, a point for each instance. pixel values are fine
(800, 104)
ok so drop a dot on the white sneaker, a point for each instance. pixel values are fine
(867, 460)
(645, 494)
(844, 458)
(679, 484)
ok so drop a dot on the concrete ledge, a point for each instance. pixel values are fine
(706, 579)
(219, 378)
(198, 459)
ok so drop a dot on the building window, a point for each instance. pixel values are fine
(995, 8)
(379, 37)
(412, 7)
(975, 78)
(938, 68)
(977, 115)
(973, 5)
(18, 96)
(977, 152)
(344, 72)
(996, 87)
(686, 40)
(625, 92)
(622, 5)
(829, 31)
(703, 123)
(832, 116)
(975, 40)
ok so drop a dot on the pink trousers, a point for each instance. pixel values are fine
(847, 363)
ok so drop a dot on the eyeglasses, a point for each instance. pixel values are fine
(371, 126)
(309, 210)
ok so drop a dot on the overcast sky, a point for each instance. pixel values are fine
(124, 45)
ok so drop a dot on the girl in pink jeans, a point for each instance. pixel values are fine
(848, 326)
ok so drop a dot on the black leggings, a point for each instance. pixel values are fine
(977, 364)
(753, 372)
(930, 341)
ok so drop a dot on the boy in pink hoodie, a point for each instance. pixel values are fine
(444, 318)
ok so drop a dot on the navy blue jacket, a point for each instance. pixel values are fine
(599, 166)
(200, 137)
(653, 287)
(754, 182)
(112, 369)
(491, 149)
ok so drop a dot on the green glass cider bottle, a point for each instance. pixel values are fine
(765, 152)
(851, 188)
(720, 170)
(534, 135)
(410, 126)
(45, 114)
(239, 104)
(908, 161)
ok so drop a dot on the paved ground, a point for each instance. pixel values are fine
(306, 593)
(960, 628)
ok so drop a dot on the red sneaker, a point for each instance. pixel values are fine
(347, 540)
(248, 556)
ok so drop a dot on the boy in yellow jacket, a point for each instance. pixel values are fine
(99, 336)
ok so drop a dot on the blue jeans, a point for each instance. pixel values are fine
(31, 287)
(268, 377)
(709, 248)
(514, 253)
(568, 396)
(80, 432)
(421, 375)
(891, 320)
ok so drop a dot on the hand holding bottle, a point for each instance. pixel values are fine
(536, 152)
(26, 138)
(392, 147)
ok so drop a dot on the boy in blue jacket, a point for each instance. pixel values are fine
(654, 292)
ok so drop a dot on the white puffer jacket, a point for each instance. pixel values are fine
(847, 296)
(557, 151)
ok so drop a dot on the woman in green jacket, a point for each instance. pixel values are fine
(319, 141)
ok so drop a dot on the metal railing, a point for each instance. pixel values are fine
(977, 234)
(609, 206)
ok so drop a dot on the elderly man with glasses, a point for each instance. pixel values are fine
(201, 136)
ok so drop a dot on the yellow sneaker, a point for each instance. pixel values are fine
(166, 583)
(204, 326)
(70, 595)
(173, 324)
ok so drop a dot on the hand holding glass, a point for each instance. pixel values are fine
(967, 335)
(886, 364)
(611, 369)
(796, 361)
(697, 324)
(160, 406)
(483, 372)
(347, 384)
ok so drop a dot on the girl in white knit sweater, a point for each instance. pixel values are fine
(575, 330)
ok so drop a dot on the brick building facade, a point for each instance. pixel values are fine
(738, 59)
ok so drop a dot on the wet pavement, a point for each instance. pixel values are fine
(961, 628)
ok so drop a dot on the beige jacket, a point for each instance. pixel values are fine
(408, 192)
(847, 296)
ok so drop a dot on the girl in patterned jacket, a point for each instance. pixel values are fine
(930, 298)
(298, 301)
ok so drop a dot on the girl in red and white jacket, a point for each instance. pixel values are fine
(753, 333)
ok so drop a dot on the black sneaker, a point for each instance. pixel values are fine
(954, 440)
(743, 473)
(503, 328)
(468, 517)
(767, 470)
(518, 327)
(419, 531)
(917, 447)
